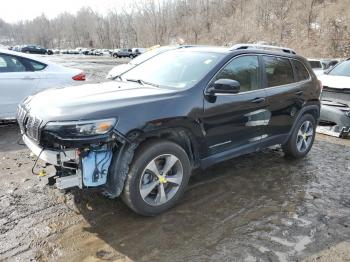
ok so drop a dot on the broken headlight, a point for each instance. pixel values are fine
(81, 128)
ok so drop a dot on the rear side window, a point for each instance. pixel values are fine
(300, 71)
(36, 65)
(278, 71)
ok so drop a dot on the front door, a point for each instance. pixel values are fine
(236, 121)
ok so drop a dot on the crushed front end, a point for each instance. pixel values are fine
(81, 151)
(335, 112)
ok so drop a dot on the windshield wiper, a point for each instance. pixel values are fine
(142, 82)
(117, 77)
(136, 81)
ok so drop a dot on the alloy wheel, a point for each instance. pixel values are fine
(305, 136)
(161, 179)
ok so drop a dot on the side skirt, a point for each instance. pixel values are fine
(242, 150)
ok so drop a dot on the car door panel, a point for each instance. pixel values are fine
(14, 87)
(235, 120)
(284, 104)
(284, 95)
(16, 83)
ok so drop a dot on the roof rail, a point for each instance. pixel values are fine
(264, 47)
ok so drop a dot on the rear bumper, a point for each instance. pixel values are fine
(50, 156)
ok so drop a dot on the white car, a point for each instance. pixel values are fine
(338, 78)
(22, 75)
(317, 66)
(335, 109)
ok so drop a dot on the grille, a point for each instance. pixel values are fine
(29, 125)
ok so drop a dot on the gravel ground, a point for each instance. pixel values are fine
(259, 207)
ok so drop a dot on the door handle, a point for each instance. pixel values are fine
(27, 78)
(258, 100)
(299, 93)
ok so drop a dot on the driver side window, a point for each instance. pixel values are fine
(245, 70)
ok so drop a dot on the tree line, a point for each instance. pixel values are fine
(317, 28)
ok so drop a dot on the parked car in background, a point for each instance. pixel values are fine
(124, 52)
(138, 51)
(22, 75)
(34, 49)
(316, 66)
(120, 69)
(329, 63)
(73, 52)
(335, 110)
(141, 136)
(106, 52)
(17, 48)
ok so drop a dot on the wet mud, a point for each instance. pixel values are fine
(259, 207)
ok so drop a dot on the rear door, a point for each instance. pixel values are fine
(17, 81)
(285, 95)
(236, 121)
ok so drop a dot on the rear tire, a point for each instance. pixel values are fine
(302, 138)
(157, 177)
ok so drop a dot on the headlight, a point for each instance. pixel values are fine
(81, 128)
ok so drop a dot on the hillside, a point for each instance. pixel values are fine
(318, 28)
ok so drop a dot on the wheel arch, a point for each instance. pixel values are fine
(313, 109)
(179, 135)
(124, 154)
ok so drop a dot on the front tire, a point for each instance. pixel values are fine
(302, 138)
(157, 177)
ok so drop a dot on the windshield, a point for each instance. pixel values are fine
(316, 64)
(176, 69)
(147, 55)
(342, 69)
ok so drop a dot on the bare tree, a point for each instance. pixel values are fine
(313, 27)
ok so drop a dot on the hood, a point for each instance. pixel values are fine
(318, 72)
(119, 69)
(338, 82)
(91, 101)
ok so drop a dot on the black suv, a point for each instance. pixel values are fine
(141, 135)
(33, 49)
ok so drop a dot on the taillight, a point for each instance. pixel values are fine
(80, 77)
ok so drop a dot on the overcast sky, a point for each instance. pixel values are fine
(14, 11)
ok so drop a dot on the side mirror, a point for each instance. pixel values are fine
(224, 86)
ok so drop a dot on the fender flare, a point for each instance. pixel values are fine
(300, 114)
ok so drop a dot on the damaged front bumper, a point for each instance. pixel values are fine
(334, 119)
(53, 157)
(81, 167)
(58, 158)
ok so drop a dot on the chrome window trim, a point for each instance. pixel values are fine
(263, 88)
